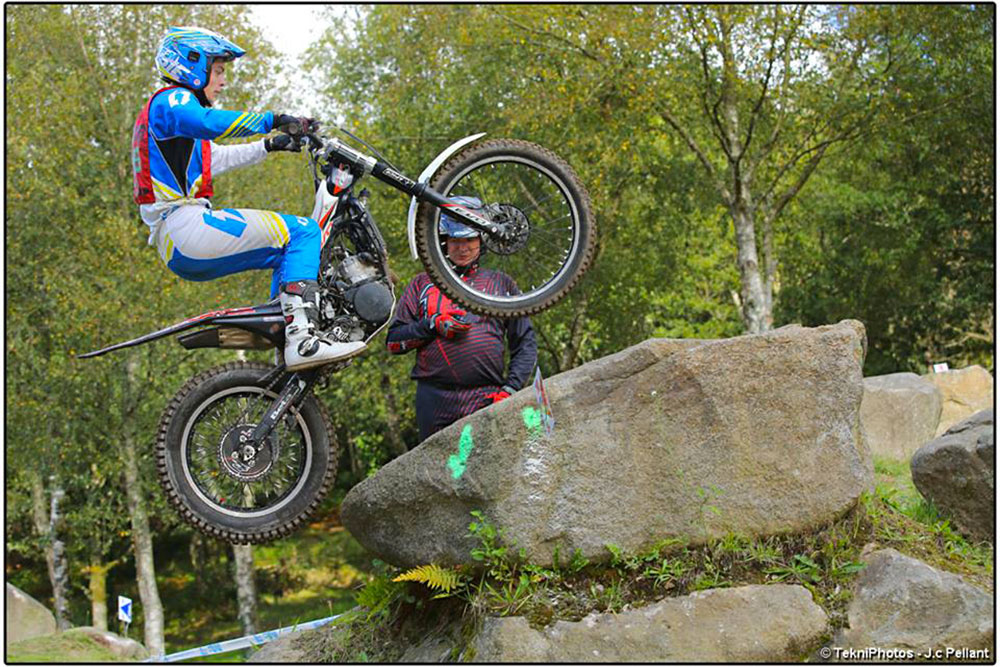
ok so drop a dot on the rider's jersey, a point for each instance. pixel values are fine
(174, 157)
(475, 359)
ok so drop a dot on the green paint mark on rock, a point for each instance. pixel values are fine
(457, 461)
(532, 419)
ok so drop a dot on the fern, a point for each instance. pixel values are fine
(377, 595)
(434, 576)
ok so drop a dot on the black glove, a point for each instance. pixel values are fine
(282, 142)
(295, 125)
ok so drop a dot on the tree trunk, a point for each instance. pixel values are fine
(756, 305)
(98, 572)
(756, 315)
(770, 269)
(41, 520)
(142, 538)
(246, 591)
(46, 524)
(357, 468)
(571, 352)
(60, 566)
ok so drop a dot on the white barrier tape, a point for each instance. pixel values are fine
(242, 642)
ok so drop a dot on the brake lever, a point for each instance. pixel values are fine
(311, 138)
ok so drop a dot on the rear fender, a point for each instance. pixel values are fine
(265, 320)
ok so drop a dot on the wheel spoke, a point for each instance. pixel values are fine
(227, 482)
(248, 496)
(501, 182)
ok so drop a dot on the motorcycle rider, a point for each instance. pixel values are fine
(460, 357)
(174, 160)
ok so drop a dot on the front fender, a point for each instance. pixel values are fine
(425, 175)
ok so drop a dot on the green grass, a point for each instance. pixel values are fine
(310, 575)
(912, 524)
(60, 648)
(894, 474)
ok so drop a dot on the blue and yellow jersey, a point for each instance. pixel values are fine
(172, 144)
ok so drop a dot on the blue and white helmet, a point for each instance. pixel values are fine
(186, 54)
(454, 229)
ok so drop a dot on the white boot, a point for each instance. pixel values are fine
(304, 348)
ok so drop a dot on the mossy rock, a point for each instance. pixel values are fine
(76, 645)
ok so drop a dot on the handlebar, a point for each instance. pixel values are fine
(332, 148)
(336, 151)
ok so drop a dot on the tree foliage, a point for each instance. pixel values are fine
(685, 120)
(80, 274)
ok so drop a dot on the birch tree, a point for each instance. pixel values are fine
(48, 522)
(772, 90)
(759, 94)
(246, 589)
(83, 271)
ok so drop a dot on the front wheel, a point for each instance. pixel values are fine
(218, 481)
(544, 212)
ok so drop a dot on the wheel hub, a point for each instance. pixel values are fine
(514, 229)
(240, 459)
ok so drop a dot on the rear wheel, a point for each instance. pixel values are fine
(543, 211)
(223, 485)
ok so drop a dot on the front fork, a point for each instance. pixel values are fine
(297, 387)
(294, 392)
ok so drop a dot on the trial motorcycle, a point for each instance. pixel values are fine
(243, 450)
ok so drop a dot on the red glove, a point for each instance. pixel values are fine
(498, 396)
(448, 324)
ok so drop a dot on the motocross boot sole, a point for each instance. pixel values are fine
(305, 363)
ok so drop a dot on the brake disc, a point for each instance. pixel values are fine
(514, 229)
(241, 460)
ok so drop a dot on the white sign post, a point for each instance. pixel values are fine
(125, 611)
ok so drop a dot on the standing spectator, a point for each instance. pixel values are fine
(460, 356)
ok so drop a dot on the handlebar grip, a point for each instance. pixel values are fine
(295, 128)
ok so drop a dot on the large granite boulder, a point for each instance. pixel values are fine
(957, 473)
(776, 623)
(691, 439)
(25, 617)
(964, 392)
(902, 603)
(900, 413)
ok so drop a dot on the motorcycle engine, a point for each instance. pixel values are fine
(354, 269)
(366, 293)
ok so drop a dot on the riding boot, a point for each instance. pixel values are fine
(304, 346)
